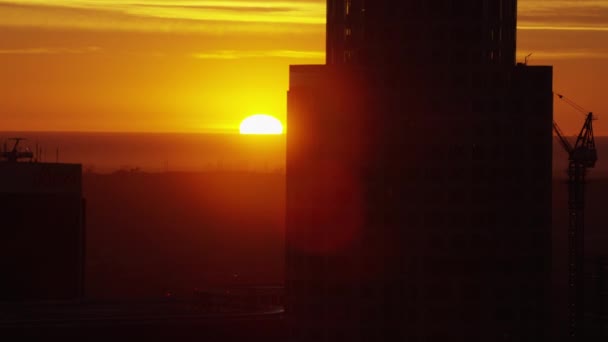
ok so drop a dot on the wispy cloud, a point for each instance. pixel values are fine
(563, 15)
(563, 29)
(566, 54)
(225, 6)
(253, 15)
(177, 15)
(548, 27)
(49, 51)
(235, 54)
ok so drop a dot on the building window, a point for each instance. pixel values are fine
(348, 56)
(347, 7)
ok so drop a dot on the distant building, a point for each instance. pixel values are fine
(419, 178)
(43, 231)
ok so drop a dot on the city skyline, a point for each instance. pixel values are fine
(203, 66)
(304, 170)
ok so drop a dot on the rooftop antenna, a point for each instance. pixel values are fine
(527, 58)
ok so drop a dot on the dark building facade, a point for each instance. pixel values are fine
(596, 299)
(419, 178)
(384, 32)
(43, 234)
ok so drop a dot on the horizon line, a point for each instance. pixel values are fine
(214, 132)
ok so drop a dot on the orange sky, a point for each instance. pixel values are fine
(203, 65)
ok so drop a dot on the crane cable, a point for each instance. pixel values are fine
(572, 103)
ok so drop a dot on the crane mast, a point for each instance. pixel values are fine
(582, 155)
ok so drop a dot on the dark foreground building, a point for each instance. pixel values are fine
(596, 299)
(419, 178)
(42, 242)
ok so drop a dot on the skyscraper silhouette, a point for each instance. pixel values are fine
(419, 178)
(474, 32)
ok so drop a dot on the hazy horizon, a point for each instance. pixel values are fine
(104, 152)
(159, 152)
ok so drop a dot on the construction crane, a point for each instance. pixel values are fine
(581, 156)
(14, 155)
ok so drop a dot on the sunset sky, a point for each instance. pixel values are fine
(200, 66)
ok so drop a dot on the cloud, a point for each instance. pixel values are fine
(205, 15)
(49, 51)
(234, 54)
(221, 16)
(566, 54)
(201, 15)
(549, 27)
(563, 15)
(224, 7)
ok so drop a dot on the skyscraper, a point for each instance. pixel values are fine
(419, 178)
(403, 32)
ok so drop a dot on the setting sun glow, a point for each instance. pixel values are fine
(261, 124)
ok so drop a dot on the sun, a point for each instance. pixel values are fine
(261, 124)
